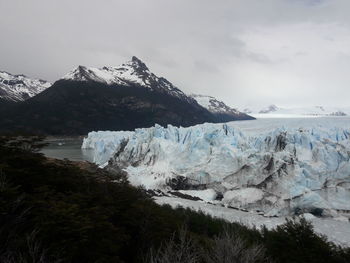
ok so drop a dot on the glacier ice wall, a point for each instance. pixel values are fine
(279, 171)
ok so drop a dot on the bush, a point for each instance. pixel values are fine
(296, 241)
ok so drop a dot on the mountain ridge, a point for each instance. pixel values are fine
(108, 98)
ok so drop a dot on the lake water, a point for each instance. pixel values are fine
(67, 147)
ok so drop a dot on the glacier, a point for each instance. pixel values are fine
(277, 168)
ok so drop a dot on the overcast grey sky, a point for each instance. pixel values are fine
(245, 52)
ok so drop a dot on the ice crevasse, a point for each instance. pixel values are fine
(278, 172)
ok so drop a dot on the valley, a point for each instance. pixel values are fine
(163, 131)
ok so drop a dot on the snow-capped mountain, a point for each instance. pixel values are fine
(19, 87)
(269, 109)
(213, 105)
(272, 111)
(279, 171)
(134, 72)
(218, 108)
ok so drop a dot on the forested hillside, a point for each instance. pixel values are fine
(60, 211)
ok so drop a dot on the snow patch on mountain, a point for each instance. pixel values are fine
(19, 87)
(278, 171)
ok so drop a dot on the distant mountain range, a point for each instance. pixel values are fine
(108, 98)
(272, 111)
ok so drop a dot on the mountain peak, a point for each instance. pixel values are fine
(138, 64)
(133, 71)
(82, 73)
(136, 60)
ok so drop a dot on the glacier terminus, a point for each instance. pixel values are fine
(273, 167)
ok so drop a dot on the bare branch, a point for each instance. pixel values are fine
(230, 247)
(176, 251)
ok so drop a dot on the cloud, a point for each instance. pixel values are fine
(286, 52)
(311, 2)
